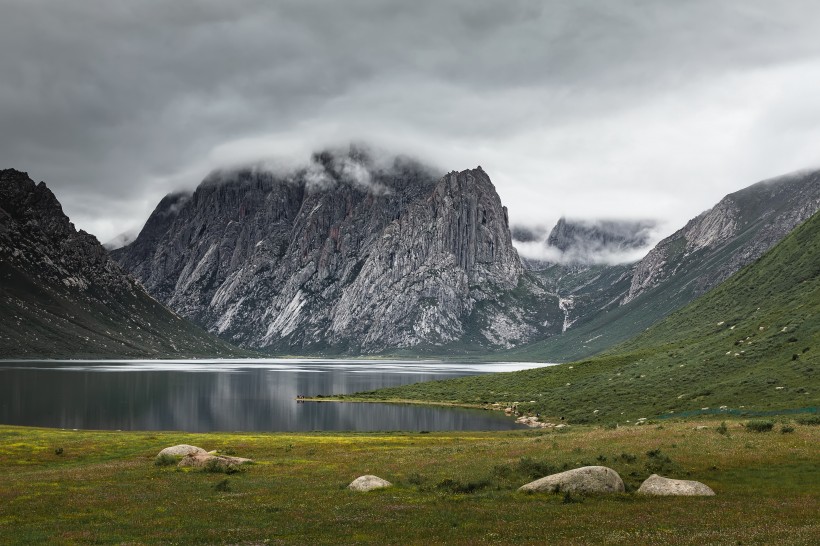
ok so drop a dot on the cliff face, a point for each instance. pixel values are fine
(734, 233)
(342, 255)
(62, 295)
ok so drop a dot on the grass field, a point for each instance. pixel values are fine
(70, 487)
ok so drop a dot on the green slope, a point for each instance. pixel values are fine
(750, 345)
(763, 214)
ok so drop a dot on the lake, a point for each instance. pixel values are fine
(231, 395)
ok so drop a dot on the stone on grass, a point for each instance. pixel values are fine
(587, 479)
(213, 462)
(181, 451)
(658, 485)
(368, 483)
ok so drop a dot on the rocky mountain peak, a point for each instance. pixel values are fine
(348, 252)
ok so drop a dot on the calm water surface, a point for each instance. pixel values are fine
(228, 395)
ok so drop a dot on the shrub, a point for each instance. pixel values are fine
(785, 429)
(723, 429)
(810, 420)
(455, 486)
(166, 460)
(223, 485)
(569, 499)
(58, 451)
(759, 426)
(610, 426)
(628, 457)
(533, 468)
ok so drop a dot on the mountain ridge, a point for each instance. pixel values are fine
(61, 294)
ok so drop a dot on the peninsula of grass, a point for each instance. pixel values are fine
(78, 487)
(749, 347)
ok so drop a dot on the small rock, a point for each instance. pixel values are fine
(181, 451)
(368, 483)
(660, 486)
(587, 479)
(701, 427)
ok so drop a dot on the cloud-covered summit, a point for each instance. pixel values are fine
(589, 109)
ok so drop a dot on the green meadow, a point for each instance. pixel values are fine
(83, 487)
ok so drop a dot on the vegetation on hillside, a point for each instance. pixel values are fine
(750, 345)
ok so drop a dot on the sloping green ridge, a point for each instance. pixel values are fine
(750, 345)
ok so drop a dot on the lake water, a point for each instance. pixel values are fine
(230, 395)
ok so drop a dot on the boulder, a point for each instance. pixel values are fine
(201, 460)
(658, 485)
(368, 483)
(181, 451)
(587, 479)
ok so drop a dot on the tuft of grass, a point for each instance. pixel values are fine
(759, 426)
(222, 485)
(786, 429)
(723, 429)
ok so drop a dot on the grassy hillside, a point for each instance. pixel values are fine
(764, 213)
(750, 345)
(69, 487)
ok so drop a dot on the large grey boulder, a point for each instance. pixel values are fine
(368, 483)
(587, 479)
(181, 450)
(660, 486)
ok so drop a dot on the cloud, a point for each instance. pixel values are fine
(590, 109)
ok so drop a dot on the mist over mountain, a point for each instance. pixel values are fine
(585, 242)
(348, 253)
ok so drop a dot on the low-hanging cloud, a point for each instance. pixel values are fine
(590, 109)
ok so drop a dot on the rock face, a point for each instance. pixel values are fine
(605, 305)
(181, 450)
(345, 254)
(368, 483)
(62, 295)
(660, 486)
(587, 479)
(734, 233)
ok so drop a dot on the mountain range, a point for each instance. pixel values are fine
(352, 254)
(750, 346)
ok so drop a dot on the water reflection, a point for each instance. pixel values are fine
(228, 395)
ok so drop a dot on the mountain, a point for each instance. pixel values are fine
(750, 345)
(590, 242)
(61, 295)
(608, 305)
(347, 254)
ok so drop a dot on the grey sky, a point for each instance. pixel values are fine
(640, 109)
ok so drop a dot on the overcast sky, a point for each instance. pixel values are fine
(596, 109)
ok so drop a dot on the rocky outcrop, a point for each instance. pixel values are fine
(62, 295)
(587, 479)
(660, 486)
(368, 483)
(732, 234)
(346, 254)
(181, 450)
(213, 463)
